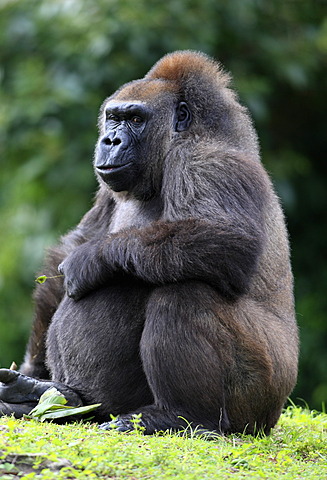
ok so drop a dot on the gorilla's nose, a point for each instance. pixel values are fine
(111, 140)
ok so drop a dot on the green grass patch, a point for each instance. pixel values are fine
(296, 449)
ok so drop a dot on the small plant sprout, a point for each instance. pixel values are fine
(44, 278)
(136, 421)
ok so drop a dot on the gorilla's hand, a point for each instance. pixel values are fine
(84, 269)
(18, 388)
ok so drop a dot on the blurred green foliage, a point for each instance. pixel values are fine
(59, 59)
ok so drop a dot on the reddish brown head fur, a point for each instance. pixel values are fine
(178, 66)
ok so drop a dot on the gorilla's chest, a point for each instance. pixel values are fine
(131, 213)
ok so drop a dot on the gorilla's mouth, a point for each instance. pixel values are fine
(108, 169)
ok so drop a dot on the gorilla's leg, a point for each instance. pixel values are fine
(93, 355)
(93, 347)
(184, 351)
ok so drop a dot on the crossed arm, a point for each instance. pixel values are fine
(221, 254)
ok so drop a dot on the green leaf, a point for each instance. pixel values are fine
(52, 404)
(51, 398)
(67, 412)
(52, 395)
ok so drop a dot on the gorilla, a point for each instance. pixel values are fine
(176, 295)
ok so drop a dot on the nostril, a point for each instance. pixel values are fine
(107, 141)
(111, 141)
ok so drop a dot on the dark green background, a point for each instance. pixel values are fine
(60, 59)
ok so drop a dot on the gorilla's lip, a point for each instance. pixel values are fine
(108, 169)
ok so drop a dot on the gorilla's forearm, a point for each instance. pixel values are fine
(224, 256)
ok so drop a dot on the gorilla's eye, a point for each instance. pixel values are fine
(136, 119)
(112, 117)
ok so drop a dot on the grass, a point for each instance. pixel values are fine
(296, 449)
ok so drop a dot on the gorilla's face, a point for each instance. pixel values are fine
(135, 136)
(119, 150)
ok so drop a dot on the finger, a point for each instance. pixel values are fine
(70, 289)
(74, 294)
(7, 375)
(120, 425)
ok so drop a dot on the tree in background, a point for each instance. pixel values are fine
(60, 59)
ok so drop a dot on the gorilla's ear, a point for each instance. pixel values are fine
(183, 117)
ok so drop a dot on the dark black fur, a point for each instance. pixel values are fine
(179, 297)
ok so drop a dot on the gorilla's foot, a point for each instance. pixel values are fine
(18, 388)
(122, 424)
(18, 410)
(19, 394)
(152, 419)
